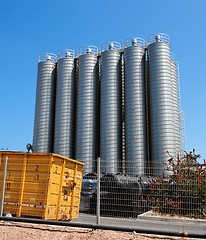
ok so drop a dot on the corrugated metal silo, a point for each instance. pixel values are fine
(148, 165)
(87, 109)
(162, 130)
(135, 108)
(64, 112)
(111, 112)
(123, 164)
(45, 103)
(176, 104)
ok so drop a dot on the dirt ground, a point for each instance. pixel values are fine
(27, 231)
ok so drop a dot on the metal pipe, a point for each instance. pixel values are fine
(103, 227)
(98, 192)
(3, 185)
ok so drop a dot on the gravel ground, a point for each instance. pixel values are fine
(27, 231)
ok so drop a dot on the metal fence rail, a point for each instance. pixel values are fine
(122, 202)
(124, 196)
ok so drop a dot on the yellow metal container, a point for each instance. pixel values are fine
(46, 186)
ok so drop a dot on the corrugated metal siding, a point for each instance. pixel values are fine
(64, 117)
(161, 106)
(87, 112)
(111, 113)
(44, 108)
(135, 110)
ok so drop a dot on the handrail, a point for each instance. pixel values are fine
(159, 37)
(110, 46)
(88, 50)
(66, 53)
(135, 41)
(172, 57)
(47, 57)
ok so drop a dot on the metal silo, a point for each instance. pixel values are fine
(162, 130)
(123, 164)
(135, 108)
(111, 112)
(64, 111)
(148, 165)
(45, 104)
(87, 109)
(176, 104)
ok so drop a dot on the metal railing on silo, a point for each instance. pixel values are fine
(162, 130)
(176, 104)
(45, 103)
(64, 111)
(110, 105)
(87, 108)
(181, 114)
(135, 107)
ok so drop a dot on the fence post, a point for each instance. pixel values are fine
(98, 191)
(3, 185)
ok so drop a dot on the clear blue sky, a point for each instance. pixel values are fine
(29, 28)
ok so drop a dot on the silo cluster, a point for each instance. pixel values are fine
(120, 103)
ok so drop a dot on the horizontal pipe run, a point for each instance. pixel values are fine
(102, 227)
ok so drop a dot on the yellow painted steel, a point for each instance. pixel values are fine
(46, 186)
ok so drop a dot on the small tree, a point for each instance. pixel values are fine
(184, 191)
